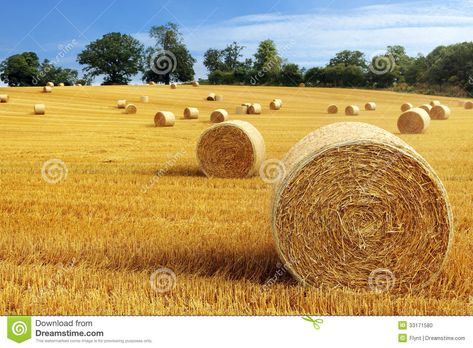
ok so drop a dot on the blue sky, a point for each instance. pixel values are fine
(307, 32)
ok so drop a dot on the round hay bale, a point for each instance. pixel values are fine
(246, 104)
(218, 97)
(4, 98)
(468, 105)
(406, 106)
(302, 84)
(191, 113)
(370, 106)
(151, 83)
(130, 109)
(61, 84)
(144, 99)
(440, 112)
(211, 97)
(218, 116)
(435, 103)
(232, 149)
(50, 84)
(359, 208)
(164, 119)
(413, 121)
(79, 84)
(426, 107)
(121, 103)
(332, 109)
(352, 110)
(254, 109)
(39, 109)
(173, 86)
(278, 100)
(195, 84)
(275, 105)
(47, 89)
(241, 110)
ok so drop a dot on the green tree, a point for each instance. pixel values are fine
(227, 59)
(342, 75)
(50, 72)
(20, 69)
(267, 62)
(290, 75)
(213, 60)
(115, 55)
(169, 59)
(347, 58)
(314, 76)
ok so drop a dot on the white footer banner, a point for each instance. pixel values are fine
(289, 331)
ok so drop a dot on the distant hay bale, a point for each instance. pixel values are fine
(406, 106)
(121, 103)
(195, 84)
(413, 121)
(218, 116)
(144, 99)
(435, 103)
(191, 113)
(275, 105)
(302, 84)
(278, 100)
(164, 119)
(218, 97)
(356, 207)
(254, 109)
(426, 107)
(39, 109)
(4, 98)
(173, 86)
(246, 104)
(370, 106)
(79, 84)
(241, 110)
(440, 112)
(352, 110)
(332, 109)
(151, 83)
(468, 105)
(211, 97)
(47, 89)
(232, 149)
(130, 109)
(50, 84)
(61, 84)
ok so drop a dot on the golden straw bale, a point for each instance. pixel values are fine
(218, 116)
(191, 113)
(440, 112)
(164, 119)
(413, 121)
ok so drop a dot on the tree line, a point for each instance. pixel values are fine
(117, 57)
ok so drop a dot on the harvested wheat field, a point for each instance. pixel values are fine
(123, 199)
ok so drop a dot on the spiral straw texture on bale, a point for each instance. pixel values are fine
(406, 106)
(332, 109)
(232, 149)
(218, 116)
(191, 113)
(164, 119)
(413, 121)
(356, 201)
(440, 112)
(352, 110)
(131, 109)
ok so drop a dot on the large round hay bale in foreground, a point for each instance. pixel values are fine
(370, 106)
(39, 109)
(47, 89)
(254, 109)
(426, 107)
(275, 105)
(435, 103)
(406, 106)
(218, 116)
(191, 113)
(413, 121)
(130, 109)
(121, 103)
(440, 112)
(359, 208)
(468, 105)
(164, 119)
(332, 109)
(4, 98)
(352, 110)
(232, 149)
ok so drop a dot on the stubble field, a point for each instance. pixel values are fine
(134, 202)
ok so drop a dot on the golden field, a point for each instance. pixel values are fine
(134, 201)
